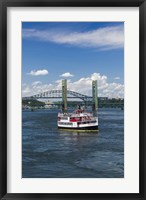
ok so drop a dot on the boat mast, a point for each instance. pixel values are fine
(94, 96)
(64, 95)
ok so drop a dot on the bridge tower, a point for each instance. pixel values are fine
(94, 96)
(64, 95)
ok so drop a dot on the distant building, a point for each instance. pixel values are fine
(103, 98)
(49, 103)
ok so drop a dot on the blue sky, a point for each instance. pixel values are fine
(77, 51)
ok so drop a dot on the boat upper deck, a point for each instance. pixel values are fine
(76, 113)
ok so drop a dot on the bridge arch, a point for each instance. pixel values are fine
(58, 94)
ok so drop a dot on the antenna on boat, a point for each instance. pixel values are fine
(94, 96)
(64, 95)
(79, 107)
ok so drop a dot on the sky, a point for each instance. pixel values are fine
(77, 51)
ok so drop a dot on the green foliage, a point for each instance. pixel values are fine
(102, 103)
(32, 103)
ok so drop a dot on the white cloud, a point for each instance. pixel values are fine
(36, 83)
(34, 88)
(83, 86)
(26, 90)
(117, 78)
(38, 72)
(105, 38)
(67, 74)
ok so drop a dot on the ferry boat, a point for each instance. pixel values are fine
(79, 120)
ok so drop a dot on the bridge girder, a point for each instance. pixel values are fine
(58, 94)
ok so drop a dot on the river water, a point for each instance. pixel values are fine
(50, 153)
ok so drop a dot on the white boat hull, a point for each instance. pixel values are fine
(86, 123)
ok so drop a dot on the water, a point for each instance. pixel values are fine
(50, 153)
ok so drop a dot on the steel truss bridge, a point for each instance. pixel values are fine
(58, 94)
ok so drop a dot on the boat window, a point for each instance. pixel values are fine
(64, 118)
(65, 123)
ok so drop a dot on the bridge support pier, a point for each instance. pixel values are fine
(64, 95)
(94, 96)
